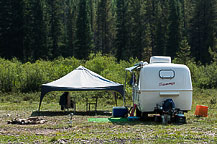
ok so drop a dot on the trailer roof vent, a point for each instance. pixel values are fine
(160, 59)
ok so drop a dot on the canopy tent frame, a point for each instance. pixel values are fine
(46, 88)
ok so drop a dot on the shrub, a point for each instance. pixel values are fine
(28, 77)
(203, 76)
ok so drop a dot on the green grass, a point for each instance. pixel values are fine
(58, 130)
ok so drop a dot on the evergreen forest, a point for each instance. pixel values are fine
(48, 29)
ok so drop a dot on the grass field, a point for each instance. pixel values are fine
(57, 129)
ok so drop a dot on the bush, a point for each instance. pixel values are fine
(28, 77)
(203, 76)
(9, 75)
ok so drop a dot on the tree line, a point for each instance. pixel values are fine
(46, 29)
(19, 77)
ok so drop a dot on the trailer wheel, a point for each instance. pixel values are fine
(138, 112)
(144, 116)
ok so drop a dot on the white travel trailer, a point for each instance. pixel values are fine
(161, 80)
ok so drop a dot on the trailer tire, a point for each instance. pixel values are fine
(144, 115)
(138, 112)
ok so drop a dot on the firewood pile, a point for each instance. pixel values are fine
(30, 120)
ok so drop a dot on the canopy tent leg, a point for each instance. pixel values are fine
(43, 93)
(40, 104)
(124, 89)
(116, 99)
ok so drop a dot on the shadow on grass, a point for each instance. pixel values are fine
(136, 123)
(124, 121)
(62, 113)
(147, 121)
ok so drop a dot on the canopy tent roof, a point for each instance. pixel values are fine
(81, 79)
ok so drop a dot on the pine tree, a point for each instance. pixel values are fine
(105, 30)
(213, 51)
(55, 27)
(40, 47)
(83, 33)
(70, 27)
(187, 10)
(122, 37)
(147, 52)
(153, 14)
(11, 28)
(92, 13)
(203, 30)
(138, 29)
(28, 37)
(184, 53)
(6, 22)
(174, 35)
(162, 28)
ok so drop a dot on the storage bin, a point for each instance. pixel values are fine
(201, 111)
(120, 112)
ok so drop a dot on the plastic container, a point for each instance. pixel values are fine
(120, 112)
(201, 111)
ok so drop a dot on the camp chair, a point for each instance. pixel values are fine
(91, 101)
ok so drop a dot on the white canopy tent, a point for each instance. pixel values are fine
(81, 79)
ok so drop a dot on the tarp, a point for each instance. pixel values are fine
(112, 119)
(81, 79)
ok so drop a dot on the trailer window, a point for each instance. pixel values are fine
(167, 74)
